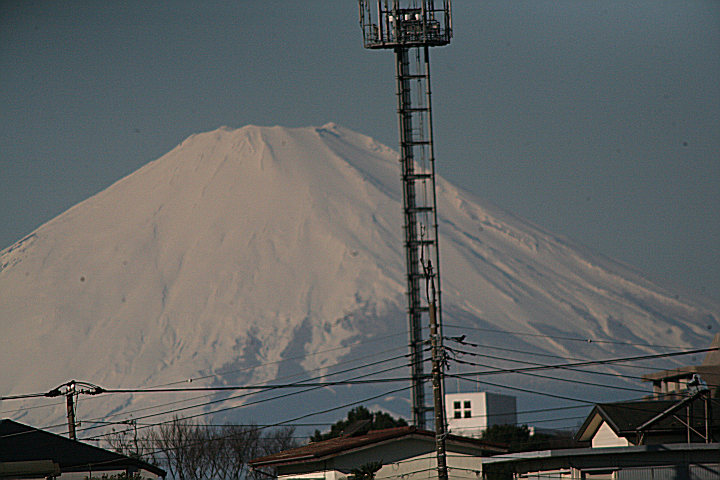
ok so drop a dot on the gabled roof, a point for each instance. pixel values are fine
(335, 446)
(625, 417)
(22, 443)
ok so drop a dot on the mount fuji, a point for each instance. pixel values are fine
(264, 253)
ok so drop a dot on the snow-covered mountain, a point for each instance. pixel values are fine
(241, 248)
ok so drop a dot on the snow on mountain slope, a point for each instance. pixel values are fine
(245, 247)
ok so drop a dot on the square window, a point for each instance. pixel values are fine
(457, 414)
(467, 403)
(456, 404)
(468, 414)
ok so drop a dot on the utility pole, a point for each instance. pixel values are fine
(71, 410)
(438, 362)
(71, 390)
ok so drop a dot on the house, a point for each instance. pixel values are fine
(647, 422)
(27, 452)
(677, 461)
(401, 452)
(469, 414)
(674, 382)
(646, 439)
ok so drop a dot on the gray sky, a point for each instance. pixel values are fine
(597, 120)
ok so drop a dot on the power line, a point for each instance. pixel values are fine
(519, 389)
(505, 359)
(286, 377)
(244, 404)
(297, 357)
(302, 383)
(274, 386)
(524, 352)
(558, 337)
(284, 422)
(590, 362)
(547, 377)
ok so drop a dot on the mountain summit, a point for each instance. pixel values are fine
(243, 248)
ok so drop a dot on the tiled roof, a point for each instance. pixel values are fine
(317, 450)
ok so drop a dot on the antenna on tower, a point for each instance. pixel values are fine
(410, 31)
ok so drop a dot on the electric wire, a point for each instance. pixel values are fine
(567, 380)
(280, 378)
(99, 424)
(558, 337)
(300, 384)
(563, 357)
(245, 404)
(248, 368)
(217, 401)
(297, 357)
(301, 417)
(592, 362)
(526, 362)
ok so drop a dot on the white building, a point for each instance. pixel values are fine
(469, 414)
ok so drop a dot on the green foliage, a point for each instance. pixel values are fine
(518, 438)
(514, 436)
(365, 472)
(361, 420)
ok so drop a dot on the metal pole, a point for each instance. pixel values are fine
(428, 102)
(707, 425)
(412, 256)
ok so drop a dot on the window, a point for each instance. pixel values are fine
(461, 409)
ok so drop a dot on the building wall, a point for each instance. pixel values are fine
(564, 474)
(321, 475)
(422, 467)
(675, 472)
(605, 437)
(469, 414)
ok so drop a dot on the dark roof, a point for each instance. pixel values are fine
(333, 446)
(22, 443)
(625, 417)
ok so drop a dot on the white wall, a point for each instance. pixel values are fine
(477, 411)
(605, 437)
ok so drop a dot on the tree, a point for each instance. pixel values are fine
(359, 421)
(190, 451)
(514, 436)
(366, 471)
(519, 439)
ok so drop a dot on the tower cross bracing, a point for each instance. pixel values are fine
(410, 31)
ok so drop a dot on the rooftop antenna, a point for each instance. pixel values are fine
(410, 30)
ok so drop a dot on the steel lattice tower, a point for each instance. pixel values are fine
(409, 31)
